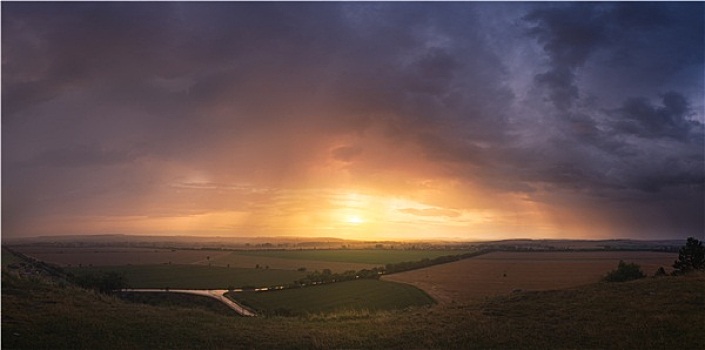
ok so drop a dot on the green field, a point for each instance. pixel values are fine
(365, 294)
(250, 261)
(195, 276)
(363, 256)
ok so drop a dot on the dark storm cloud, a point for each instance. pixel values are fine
(639, 117)
(611, 112)
(568, 35)
(591, 140)
(50, 47)
(653, 40)
(668, 40)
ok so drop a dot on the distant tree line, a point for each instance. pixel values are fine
(426, 262)
(103, 282)
(327, 276)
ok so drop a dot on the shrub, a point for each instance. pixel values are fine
(624, 272)
(661, 272)
(106, 282)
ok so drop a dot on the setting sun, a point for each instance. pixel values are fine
(354, 220)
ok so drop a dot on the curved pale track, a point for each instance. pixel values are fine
(218, 294)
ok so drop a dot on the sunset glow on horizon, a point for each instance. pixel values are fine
(366, 121)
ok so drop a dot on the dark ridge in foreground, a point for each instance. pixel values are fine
(664, 313)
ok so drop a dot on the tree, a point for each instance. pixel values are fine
(691, 257)
(106, 282)
(660, 272)
(624, 272)
(112, 281)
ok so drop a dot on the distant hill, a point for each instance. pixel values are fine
(285, 242)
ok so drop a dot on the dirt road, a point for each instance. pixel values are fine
(218, 294)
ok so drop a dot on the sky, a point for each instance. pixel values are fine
(370, 120)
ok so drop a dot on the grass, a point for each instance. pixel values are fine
(195, 276)
(653, 313)
(9, 258)
(363, 256)
(649, 313)
(365, 294)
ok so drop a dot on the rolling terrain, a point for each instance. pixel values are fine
(502, 299)
(650, 313)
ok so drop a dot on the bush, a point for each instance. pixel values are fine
(106, 282)
(624, 272)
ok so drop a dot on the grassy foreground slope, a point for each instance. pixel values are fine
(662, 313)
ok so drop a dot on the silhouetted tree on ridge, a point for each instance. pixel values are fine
(691, 257)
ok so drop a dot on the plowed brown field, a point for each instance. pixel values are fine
(503, 272)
